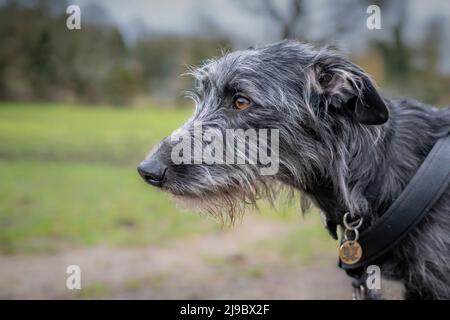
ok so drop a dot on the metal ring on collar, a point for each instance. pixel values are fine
(354, 224)
(355, 231)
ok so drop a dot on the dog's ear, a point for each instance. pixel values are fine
(341, 84)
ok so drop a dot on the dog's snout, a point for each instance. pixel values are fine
(152, 171)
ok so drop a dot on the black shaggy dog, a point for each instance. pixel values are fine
(340, 143)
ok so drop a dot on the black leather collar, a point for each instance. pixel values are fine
(424, 189)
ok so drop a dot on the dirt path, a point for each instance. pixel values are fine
(226, 264)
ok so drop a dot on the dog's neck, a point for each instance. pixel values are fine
(359, 182)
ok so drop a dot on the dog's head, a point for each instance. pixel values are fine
(280, 113)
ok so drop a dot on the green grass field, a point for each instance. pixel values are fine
(68, 178)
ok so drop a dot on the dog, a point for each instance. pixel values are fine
(338, 139)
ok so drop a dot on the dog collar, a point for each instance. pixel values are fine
(424, 189)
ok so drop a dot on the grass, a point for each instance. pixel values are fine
(93, 291)
(83, 134)
(49, 205)
(306, 243)
(68, 178)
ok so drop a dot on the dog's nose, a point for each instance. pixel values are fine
(152, 171)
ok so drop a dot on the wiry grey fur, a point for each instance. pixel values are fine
(325, 152)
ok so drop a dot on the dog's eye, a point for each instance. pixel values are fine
(241, 103)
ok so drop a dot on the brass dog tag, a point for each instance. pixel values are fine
(350, 252)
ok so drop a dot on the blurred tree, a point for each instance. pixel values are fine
(287, 18)
(43, 60)
(429, 82)
(396, 54)
(163, 59)
(40, 59)
(122, 85)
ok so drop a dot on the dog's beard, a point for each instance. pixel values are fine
(229, 204)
